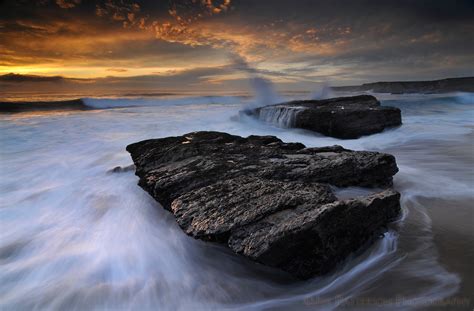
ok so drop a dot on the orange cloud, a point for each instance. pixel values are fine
(48, 46)
(216, 8)
(67, 4)
(192, 24)
(117, 70)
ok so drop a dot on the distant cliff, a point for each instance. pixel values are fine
(437, 86)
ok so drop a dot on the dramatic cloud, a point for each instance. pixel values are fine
(117, 70)
(293, 43)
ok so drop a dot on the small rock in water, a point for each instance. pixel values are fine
(122, 169)
(342, 117)
(268, 200)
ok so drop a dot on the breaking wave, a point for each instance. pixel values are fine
(105, 103)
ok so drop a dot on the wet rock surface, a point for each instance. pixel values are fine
(269, 201)
(122, 169)
(342, 117)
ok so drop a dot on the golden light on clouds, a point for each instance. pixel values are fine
(282, 41)
(67, 4)
(74, 48)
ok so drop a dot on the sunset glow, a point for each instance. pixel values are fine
(201, 39)
(243, 155)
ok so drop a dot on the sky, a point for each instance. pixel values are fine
(219, 45)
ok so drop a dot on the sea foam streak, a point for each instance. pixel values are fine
(77, 237)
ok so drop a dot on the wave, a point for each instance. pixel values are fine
(105, 103)
(465, 98)
(110, 103)
(79, 238)
(63, 105)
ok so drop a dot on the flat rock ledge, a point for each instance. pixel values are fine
(341, 117)
(269, 201)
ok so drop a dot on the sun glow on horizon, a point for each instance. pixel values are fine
(193, 44)
(79, 72)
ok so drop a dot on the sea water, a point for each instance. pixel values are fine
(75, 236)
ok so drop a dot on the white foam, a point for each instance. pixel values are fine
(76, 237)
(283, 116)
(104, 103)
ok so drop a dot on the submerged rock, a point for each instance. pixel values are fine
(122, 169)
(268, 200)
(342, 117)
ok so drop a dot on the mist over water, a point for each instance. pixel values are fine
(77, 237)
(322, 92)
(263, 90)
(264, 93)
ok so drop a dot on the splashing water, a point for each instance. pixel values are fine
(264, 92)
(263, 88)
(77, 237)
(282, 116)
(323, 92)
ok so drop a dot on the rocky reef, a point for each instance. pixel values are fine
(341, 117)
(270, 201)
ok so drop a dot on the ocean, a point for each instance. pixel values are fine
(76, 236)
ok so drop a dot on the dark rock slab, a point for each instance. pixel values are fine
(311, 239)
(268, 200)
(342, 117)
